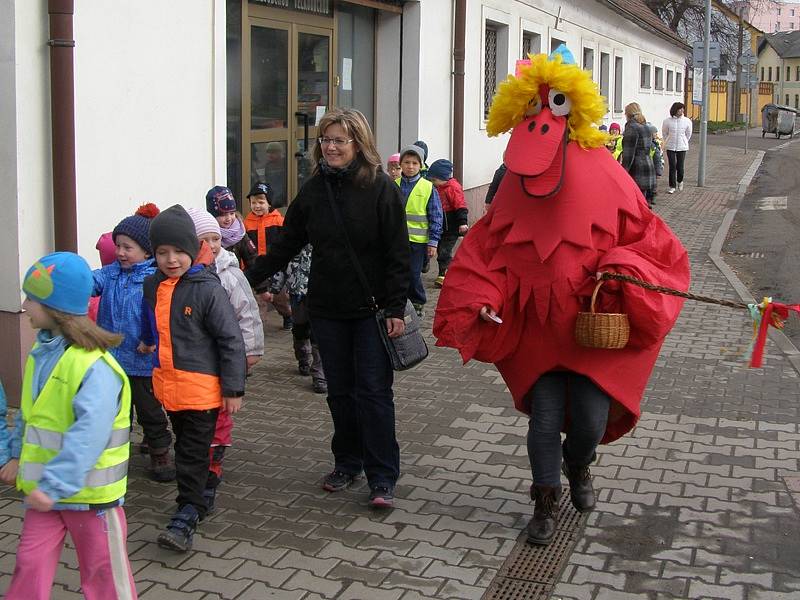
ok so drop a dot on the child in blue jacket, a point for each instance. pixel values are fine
(120, 287)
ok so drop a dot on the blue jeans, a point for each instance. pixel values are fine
(360, 398)
(588, 410)
(416, 291)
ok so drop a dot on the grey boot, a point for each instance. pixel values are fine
(302, 352)
(542, 527)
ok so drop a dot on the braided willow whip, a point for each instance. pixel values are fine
(669, 291)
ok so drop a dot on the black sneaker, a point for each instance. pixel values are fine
(288, 323)
(320, 386)
(381, 496)
(336, 481)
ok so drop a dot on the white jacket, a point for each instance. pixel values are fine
(676, 131)
(244, 303)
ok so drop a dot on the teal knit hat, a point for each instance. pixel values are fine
(62, 281)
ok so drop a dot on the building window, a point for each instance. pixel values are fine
(555, 43)
(791, 25)
(769, 73)
(778, 26)
(796, 73)
(796, 101)
(788, 73)
(787, 100)
(618, 84)
(531, 43)
(588, 59)
(678, 82)
(670, 79)
(489, 69)
(791, 12)
(495, 55)
(605, 72)
(659, 78)
(644, 75)
(762, 72)
(777, 73)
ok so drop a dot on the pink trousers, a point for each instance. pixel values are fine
(99, 538)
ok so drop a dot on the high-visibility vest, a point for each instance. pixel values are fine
(51, 416)
(617, 152)
(417, 210)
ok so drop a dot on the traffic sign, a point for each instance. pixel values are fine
(698, 54)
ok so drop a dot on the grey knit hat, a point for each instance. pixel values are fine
(415, 150)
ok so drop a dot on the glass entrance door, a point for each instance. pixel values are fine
(290, 89)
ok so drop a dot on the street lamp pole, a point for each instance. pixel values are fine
(701, 165)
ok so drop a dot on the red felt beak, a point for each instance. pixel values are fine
(535, 143)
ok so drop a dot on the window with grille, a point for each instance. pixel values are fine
(531, 43)
(489, 69)
(670, 80)
(618, 73)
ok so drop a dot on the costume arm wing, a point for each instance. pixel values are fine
(470, 285)
(647, 250)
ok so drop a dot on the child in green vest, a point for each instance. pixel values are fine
(71, 441)
(423, 219)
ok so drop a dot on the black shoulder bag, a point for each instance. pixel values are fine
(406, 350)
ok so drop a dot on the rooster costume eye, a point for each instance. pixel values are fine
(559, 103)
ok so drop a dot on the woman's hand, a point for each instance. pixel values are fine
(462, 229)
(40, 501)
(395, 327)
(231, 405)
(8, 472)
(489, 315)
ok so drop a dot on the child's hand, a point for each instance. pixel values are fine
(231, 405)
(266, 297)
(431, 251)
(462, 229)
(8, 472)
(252, 361)
(40, 501)
(144, 349)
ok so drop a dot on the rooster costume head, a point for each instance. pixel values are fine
(551, 103)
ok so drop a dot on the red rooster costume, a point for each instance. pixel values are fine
(564, 211)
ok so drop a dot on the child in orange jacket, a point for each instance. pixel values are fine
(263, 224)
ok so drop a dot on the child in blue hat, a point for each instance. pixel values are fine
(71, 442)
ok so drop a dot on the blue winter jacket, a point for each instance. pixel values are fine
(120, 311)
(5, 436)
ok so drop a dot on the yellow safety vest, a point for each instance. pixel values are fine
(417, 210)
(49, 418)
(617, 148)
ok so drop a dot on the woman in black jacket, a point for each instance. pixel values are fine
(356, 364)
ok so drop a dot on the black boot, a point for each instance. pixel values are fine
(542, 527)
(581, 491)
(180, 531)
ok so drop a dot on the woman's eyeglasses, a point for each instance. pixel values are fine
(338, 142)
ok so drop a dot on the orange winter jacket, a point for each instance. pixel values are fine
(262, 230)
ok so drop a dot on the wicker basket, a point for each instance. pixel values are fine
(601, 330)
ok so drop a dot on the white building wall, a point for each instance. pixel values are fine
(585, 24)
(149, 108)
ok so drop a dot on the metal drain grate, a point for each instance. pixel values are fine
(530, 572)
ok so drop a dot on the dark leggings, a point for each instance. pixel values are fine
(588, 415)
(675, 158)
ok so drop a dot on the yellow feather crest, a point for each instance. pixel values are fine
(516, 94)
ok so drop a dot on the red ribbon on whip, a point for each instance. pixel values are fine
(772, 313)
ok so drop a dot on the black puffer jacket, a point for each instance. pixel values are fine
(375, 220)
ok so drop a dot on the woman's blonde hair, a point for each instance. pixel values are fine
(368, 161)
(81, 331)
(634, 111)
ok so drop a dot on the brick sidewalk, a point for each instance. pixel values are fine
(693, 504)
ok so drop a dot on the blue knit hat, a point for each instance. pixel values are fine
(62, 281)
(137, 226)
(441, 169)
(220, 200)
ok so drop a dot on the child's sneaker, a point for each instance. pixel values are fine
(320, 386)
(304, 369)
(680, 186)
(381, 496)
(336, 481)
(180, 532)
(287, 323)
(439, 281)
(419, 308)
